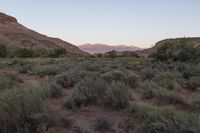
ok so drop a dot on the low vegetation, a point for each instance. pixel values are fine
(104, 93)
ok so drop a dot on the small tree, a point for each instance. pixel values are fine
(26, 53)
(57, 53)
(3, 51)
(111, 54)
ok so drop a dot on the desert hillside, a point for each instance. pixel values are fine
(194, 41)
(103, 48)
(15, 35)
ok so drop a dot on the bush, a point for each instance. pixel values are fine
(167, 80)
(116, 95)
(162, 95)
(148, 73)
(25, 68)
(3, 51)
(179, 51)
(157, 120)
(194, 82)
(96, 90)
(149, 88)
(111, 54)
(56, 53)
(22, 110)
(53, 88)
(87, 91)
(69, 78)
(196, 103)
(26, 53)
(170, 97)
(129, 54)
(6, 82)
(117, 75)
(46, 70)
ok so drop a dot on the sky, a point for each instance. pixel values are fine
(129, 22)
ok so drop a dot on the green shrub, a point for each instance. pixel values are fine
(26, 53)
(149, 88)
(25, 68)
(196, 103)
(22, 110)
(69, 78)
(180, 51)
(157, 120)
(144, 110)
(162, 95)
(46, 70)
(56, 53)
(111, 54)
(3, 51)
(97, 90)
(170, 97)
(52, 87)
(87, 91)
(117, 75)
(116, 95)
(129, 54)
(194, 82)
(167, 80)
(148, 73)
(6, 82)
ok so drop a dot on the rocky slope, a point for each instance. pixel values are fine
(103, 48)
(15, 35)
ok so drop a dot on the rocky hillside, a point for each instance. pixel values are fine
(194, 41)
(15, 35)
(103, 48)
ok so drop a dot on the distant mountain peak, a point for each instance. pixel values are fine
(103, 48)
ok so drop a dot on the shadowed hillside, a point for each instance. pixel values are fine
(15, 35)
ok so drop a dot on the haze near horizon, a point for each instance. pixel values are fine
(129, 22)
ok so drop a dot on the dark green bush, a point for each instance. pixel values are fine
(111, 54)
(56, 53)
(26, 53)
(180, 51)
(129, 54)
(3, 51)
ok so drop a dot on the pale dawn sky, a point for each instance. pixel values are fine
(131, 22)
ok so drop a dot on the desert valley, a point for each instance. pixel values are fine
(48, 85)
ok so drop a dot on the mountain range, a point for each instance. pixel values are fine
(103, 48)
